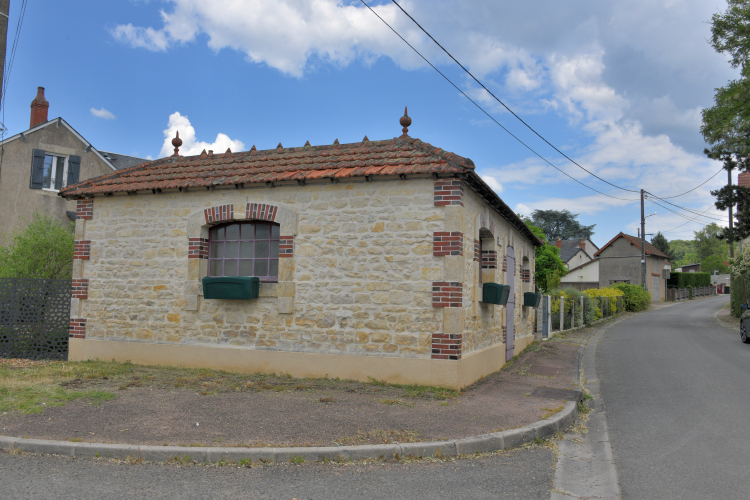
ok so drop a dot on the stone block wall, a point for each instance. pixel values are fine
(357, 277)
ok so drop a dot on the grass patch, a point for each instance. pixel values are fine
(548, 412)
(396, 402)
(380, 437)
(54, 383)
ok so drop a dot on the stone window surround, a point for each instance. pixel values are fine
(197, 227)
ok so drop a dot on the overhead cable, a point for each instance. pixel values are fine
(489, 115)
(504, 105)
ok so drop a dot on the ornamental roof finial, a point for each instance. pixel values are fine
(177, 142)
(405, 121)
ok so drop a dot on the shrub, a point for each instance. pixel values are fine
(42, 249)
(635, 298)
(688, 280)
(612, 293)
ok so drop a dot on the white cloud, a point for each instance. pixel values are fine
(523, 209)
(190, 145)
(143, 38)
(102, 113)
(492, 182)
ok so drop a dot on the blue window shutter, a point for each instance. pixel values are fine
(37, 169)
(74, 169)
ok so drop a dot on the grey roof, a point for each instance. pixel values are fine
(568, 249)
(71, 214)
(122, 161)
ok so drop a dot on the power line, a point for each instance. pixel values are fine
(696, 187)
(504, 105)
(679, 214)
(489, 115)
(689, 210)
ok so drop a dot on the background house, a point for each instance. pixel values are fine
(373, 259)
(576, 252)
(620, 262)
(689, 268)
(37, 163)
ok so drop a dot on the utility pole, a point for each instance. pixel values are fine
(4, 11)
(643, 240)
(731, 242)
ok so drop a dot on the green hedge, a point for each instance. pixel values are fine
(688, 280)
(636, 298)
(739, 294)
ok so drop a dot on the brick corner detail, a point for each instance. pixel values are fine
(447, 294)
(447, 243)
(448, 192)
(286, 246)
(446, 346)
(77, 328)
(85, 209)
(81, 250)
(80, 288)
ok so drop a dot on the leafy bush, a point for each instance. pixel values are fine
(42, 249)
(635, 298)
(612, 293)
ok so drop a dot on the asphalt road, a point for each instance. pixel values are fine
(520, 474)
(676, 386)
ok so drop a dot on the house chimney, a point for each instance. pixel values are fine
(558, 243)
(39, 107)
(582, 244)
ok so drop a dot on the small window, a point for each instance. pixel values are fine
(54, 172)
(244, 249)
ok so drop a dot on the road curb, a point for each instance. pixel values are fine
(495, 441)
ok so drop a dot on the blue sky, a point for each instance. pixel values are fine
(618, 86)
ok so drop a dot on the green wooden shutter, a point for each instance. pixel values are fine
(74, 169)
(37, 169)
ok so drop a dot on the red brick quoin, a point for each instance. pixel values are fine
(447, 294)
(81, 249)
(219, 213)
(197, 248)
(77, 328)
(446, 346)
(448, 192)
(286, 246)
(447, 243)
(85, 209)
(80, 288)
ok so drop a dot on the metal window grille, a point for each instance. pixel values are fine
(244, 249)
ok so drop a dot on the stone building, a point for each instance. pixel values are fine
(372, 258)
(37, 163)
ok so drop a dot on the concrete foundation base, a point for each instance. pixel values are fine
(453, 374)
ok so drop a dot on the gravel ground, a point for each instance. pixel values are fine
(325, 417)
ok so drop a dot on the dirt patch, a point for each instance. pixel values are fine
(236, 410)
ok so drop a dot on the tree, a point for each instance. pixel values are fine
(548, 266)
(42, 249)
(560, 224)
(708, 242)
(714, 263)
(726, 125)
(661, 243)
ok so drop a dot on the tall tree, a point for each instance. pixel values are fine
(660, 242)
(549, 267)
(726, 125)
(560, 224)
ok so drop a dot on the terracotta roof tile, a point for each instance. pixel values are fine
(402, 155)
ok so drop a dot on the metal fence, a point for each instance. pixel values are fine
(558, 313)
(34, 318)
(675, 294)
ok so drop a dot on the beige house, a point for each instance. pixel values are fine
(372, 259)
(37, 163)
